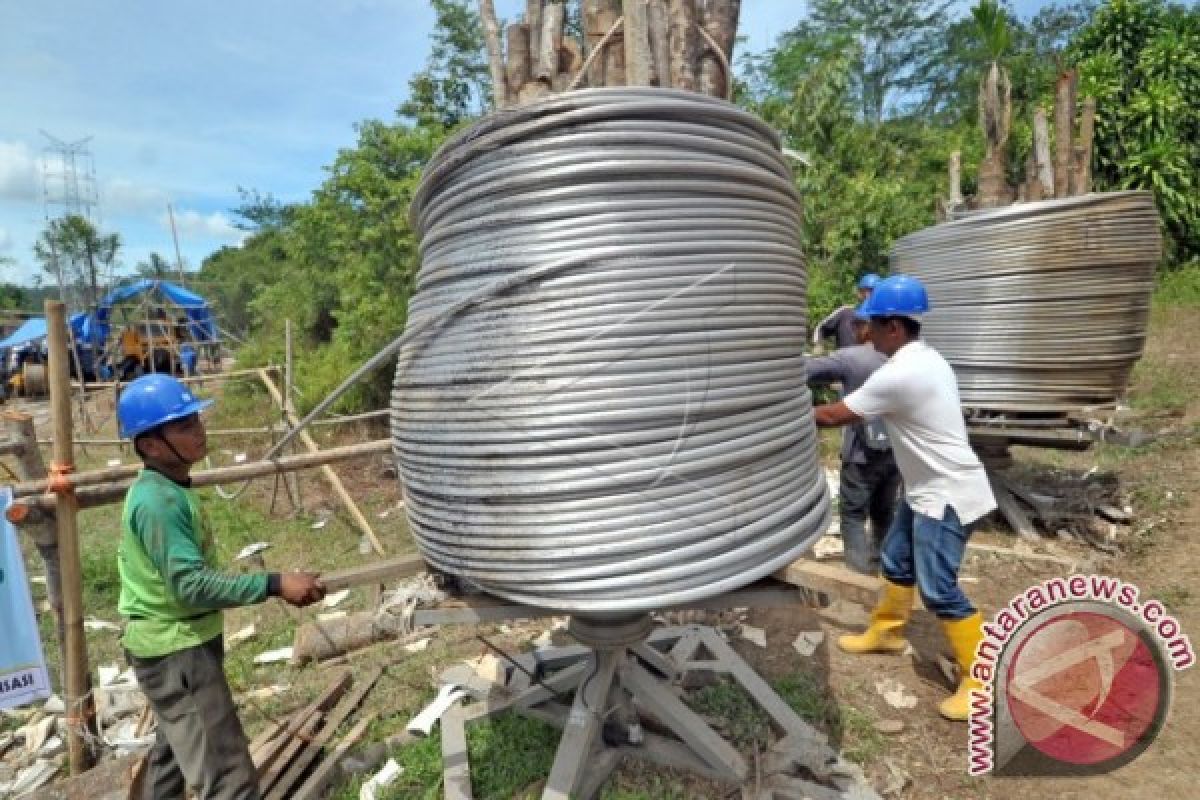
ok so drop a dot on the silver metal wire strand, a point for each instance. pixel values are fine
(601, 405)
(1040, 307)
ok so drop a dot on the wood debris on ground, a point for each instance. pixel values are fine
(296, 758)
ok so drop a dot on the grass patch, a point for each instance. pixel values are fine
(507, 752)
(1179, 286)
(1174, 597)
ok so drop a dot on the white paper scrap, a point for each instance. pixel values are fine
(273, 656)
(756, 635)
(251, 549)
(335, 599)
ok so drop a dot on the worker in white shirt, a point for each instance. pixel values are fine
(840, 324)
(945, 486)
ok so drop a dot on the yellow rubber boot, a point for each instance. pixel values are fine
(885, 634)
(964, 636)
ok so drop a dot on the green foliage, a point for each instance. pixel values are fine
(991, 25)
(77, 255)
(1140, 59)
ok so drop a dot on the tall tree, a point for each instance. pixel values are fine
(78, 256)
(995, 102)
(1140, 59)
(897, 44)
(154, 267)
(454, 85)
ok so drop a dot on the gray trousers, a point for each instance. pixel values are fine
(200, 741)
(867, 491)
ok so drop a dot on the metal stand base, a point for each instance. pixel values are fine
(625, 678)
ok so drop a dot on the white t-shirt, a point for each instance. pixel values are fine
(916, 395)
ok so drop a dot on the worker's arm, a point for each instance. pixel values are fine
(826, 369)
(165, 531)
(834, 415)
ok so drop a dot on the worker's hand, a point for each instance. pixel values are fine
(301, 588)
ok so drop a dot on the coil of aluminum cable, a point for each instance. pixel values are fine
(1040, 307)
(610, 414)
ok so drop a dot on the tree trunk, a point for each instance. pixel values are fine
(533, 18)
(639, 62)
(549, 42)
(660, 42)
(598, 18)
(1041, 152)
(1064, 118)
(491, 35)
(719, 19)
(1087, 130)
(685, 48)
(956, 196)
(517, 70)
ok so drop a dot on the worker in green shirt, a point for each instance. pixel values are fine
(172, 594)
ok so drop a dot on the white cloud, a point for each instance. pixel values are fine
(216, 225)
(6, 240)
(20, 172)
(123, 196)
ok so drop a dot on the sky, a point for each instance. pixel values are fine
(181, 103)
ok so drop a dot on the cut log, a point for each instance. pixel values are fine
(533, 18)
(956, 195)
(1064, 117)
(1087, 131)
(491, 37)
(639, 62)
(660, 43)
(684, 44)
(321, 641)
(1041, 152)
(517, 70)
(718, 21)
(599, 16)
(549, 42)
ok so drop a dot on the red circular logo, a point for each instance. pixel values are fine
(1084, 688)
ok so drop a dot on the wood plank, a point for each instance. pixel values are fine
(272, 745)
(312, 749)
(390, 569)
(832, 579)
(291, 747)
(323, 775)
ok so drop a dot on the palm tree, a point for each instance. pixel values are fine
(154, 267)
(995, 102)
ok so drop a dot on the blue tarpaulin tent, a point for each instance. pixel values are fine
(34, 330)
(200, 321)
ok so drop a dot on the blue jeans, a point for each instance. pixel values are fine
(927, 552)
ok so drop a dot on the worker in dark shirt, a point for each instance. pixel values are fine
(172, 594)
(840, 324)
(869, 480)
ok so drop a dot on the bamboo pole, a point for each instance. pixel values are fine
(289, 407)
(214, 377)
(955, 175)
(80, 709)
(660, 43)
(517, 69)
(33, 504)
(1064, 118)
(549, 43)
(684, 44)
(1041, 152)
(533, 18)
(327, 472)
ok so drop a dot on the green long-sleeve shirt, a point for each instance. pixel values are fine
(171, 591)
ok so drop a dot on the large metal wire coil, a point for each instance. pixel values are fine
(1040, 307)
(602, 408)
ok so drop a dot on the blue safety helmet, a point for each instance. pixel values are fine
(896, 296)
(154, 400)
(869, 281)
